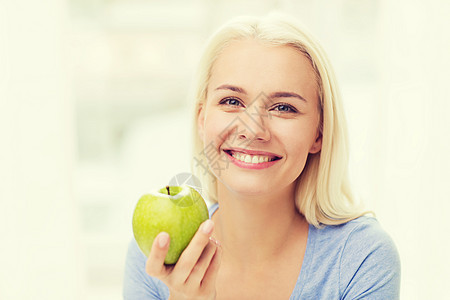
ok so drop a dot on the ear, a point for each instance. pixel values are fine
(317, 145)
(200, 120)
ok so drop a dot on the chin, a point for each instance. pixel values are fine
(246, 186)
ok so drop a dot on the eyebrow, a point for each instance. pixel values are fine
(232, 88)
(273, 95)
(286, 95)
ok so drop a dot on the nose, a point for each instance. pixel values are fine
(254, 125)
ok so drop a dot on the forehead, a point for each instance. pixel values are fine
(260, 67)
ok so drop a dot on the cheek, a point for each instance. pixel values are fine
(218, 126)
(297, 146)
(297, 139)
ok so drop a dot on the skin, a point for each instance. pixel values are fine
(257, 224)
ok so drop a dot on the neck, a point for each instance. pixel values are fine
(255, 229)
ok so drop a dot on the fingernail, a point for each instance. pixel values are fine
(163, 239)
(207, 226)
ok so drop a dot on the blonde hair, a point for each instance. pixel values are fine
(323, 193)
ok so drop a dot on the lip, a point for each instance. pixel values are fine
(259, 166)
(253, 152)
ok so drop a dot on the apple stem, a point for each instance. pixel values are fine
(168, 191)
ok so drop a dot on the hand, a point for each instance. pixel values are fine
(194, 275)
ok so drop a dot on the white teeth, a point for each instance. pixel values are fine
(254, 159)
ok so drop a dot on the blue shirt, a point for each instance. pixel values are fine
(355, 260)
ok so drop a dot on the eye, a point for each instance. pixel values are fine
(231, 101)
(285, 108)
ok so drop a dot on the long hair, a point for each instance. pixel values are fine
(322, 193)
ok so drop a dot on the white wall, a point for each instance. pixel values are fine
(414, 142)
(39, 235)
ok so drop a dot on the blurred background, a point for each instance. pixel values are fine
(93, 114)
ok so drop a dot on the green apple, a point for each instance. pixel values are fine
(177, 210)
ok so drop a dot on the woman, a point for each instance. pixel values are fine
(270, 145)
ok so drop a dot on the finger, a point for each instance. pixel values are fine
(208, 282)
(191, 254)
(155, 262)
(203, 262)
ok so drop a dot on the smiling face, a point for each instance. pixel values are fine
(261, 117)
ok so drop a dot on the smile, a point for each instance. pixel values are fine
(254, 159)
(249, 161)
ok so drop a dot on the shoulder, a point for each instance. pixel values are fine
(364, 232)
(367, 233)
(355, 260)
(137, 283)
(369, 264)
(365, 237)
(361, 234)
